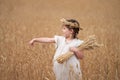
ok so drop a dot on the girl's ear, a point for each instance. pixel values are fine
(72, 31)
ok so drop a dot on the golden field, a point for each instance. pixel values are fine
(22, 20)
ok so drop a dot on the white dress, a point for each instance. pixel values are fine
(70, 69)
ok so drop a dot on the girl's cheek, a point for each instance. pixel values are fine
(63, 30)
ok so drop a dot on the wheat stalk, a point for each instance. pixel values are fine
(88, 44)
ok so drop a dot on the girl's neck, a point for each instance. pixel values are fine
(69, 38)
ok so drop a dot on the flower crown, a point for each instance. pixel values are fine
(71, 24)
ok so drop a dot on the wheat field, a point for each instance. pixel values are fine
(22, 20)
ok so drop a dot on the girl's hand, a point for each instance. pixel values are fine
(77, 52)
(73, 49)
(31, 42)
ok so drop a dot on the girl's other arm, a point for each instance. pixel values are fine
(42, 40)
(77, 52)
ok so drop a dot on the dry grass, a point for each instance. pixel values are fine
(22, 20)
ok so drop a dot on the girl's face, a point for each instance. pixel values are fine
(66, 32)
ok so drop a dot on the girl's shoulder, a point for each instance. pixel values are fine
(59, 38)
(78, 41)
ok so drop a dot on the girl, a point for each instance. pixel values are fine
(70, 69)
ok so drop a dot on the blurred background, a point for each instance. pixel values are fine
(23, 20)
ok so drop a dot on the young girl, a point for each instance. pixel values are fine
(70, 69)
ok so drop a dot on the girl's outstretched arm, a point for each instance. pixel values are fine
(77, 52)
(42, 40)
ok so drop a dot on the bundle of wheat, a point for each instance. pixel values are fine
(88, 44)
